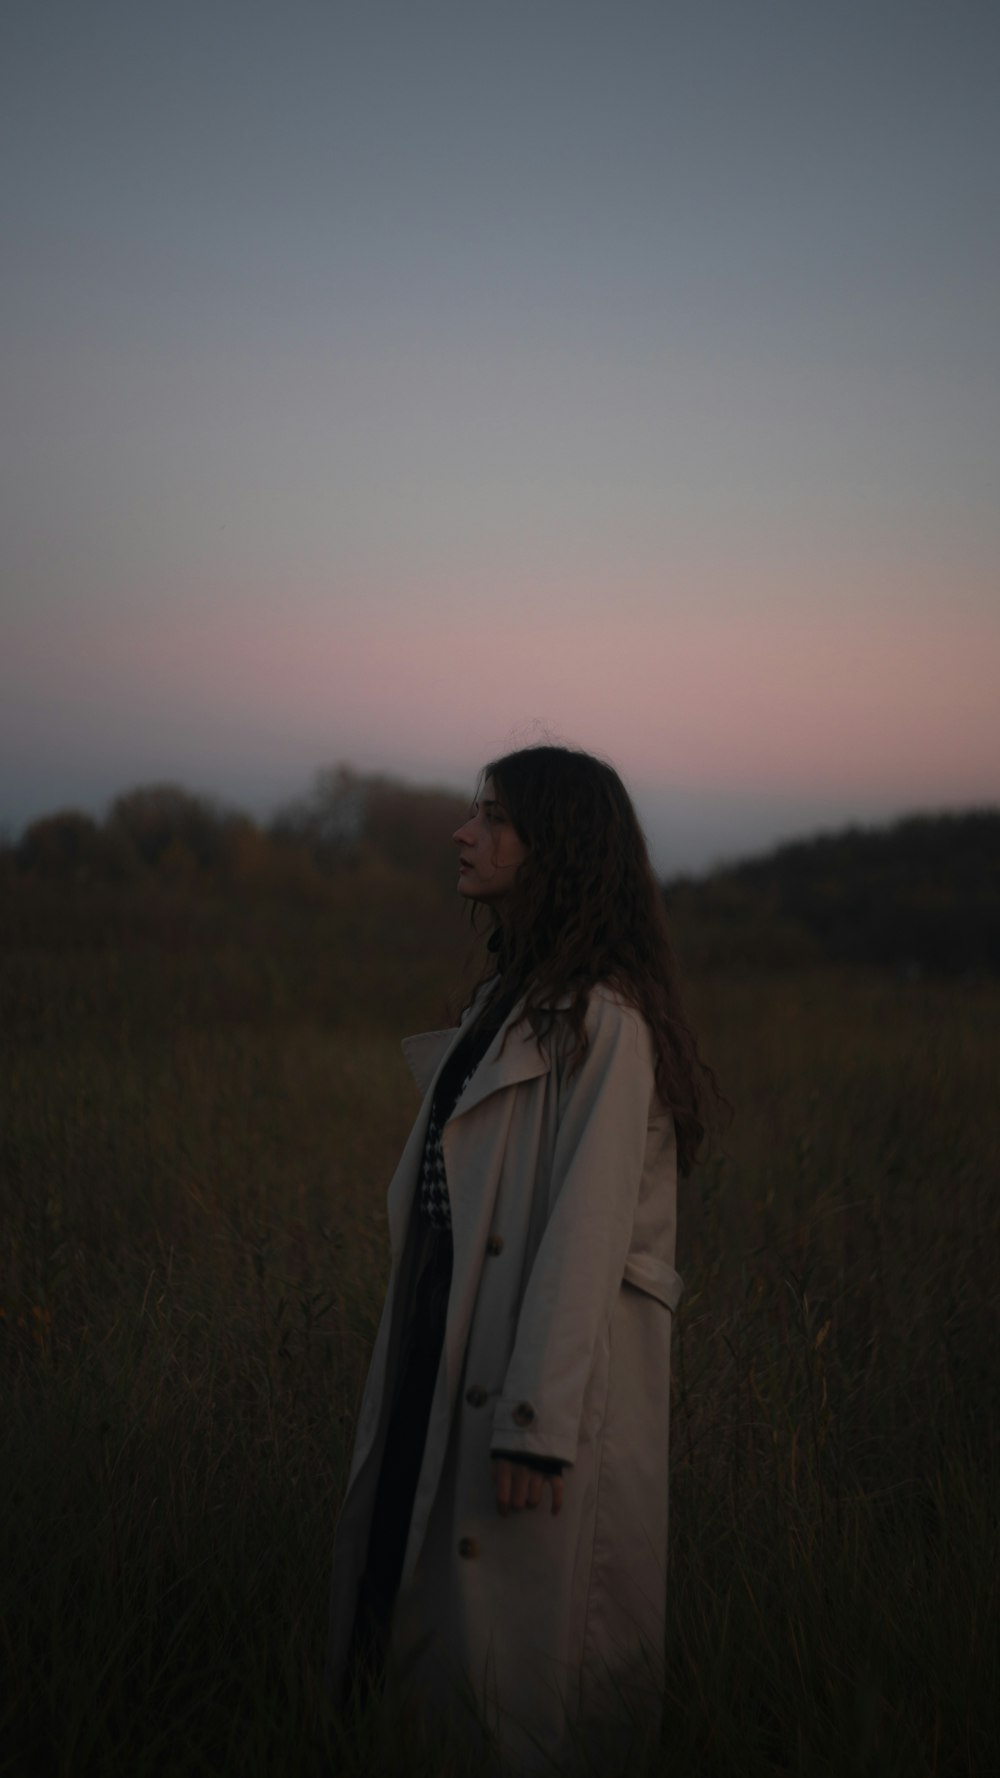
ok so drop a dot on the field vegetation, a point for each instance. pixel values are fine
(203, 1101)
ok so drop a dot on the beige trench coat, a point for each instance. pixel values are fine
(563, 1194)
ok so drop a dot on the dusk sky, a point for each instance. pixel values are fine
(395, 383)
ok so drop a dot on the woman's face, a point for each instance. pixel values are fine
(489, 849)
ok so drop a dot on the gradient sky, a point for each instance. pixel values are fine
(395, 383)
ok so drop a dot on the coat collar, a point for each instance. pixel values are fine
(503, 1065)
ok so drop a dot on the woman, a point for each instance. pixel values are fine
(523, 1355)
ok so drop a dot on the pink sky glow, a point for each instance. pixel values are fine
(794, 701)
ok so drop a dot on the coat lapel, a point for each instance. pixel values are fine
(504, 1064)
(425, 1053)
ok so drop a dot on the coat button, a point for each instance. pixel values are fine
(495, 1244)
(523, 1414)
(467, 1546)
(476, 1396)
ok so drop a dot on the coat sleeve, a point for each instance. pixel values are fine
(577, 1271)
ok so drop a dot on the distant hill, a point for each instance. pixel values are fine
(922, 893)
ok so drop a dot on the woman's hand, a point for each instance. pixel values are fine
(518, 1485)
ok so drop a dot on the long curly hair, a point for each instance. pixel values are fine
(585, 907)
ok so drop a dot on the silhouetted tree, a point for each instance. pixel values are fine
(347, 815)
(411, 828)
(71, 845)
(329, 818)
(162, 820)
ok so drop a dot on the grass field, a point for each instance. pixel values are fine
(203, 1101)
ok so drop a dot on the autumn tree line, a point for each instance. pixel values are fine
(345, 819)
(921, 894)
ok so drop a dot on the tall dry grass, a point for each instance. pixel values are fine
(203, 1102)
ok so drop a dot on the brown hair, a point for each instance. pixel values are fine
(585, 908)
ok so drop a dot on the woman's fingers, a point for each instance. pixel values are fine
(518, 1486)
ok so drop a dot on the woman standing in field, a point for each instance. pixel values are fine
(523, 1356)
